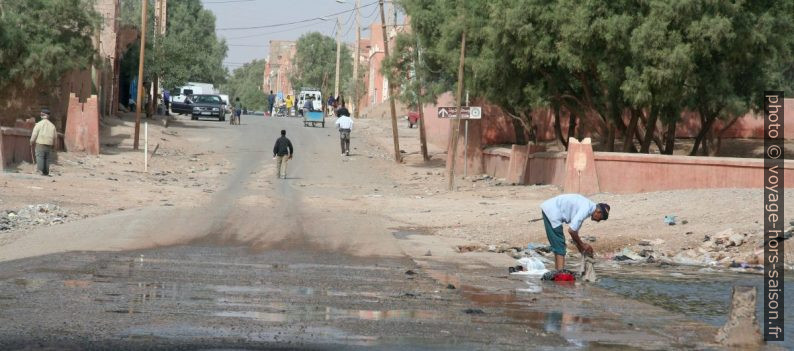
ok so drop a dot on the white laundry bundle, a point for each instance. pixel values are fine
(588, 269)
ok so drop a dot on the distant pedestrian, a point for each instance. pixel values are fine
(42, 139)
(345, 125)
(271, 101)
(238, 110)
(167, 101)
(282, 152)
(308, 105)
(571, 209)
(290, 103)
(331, 105)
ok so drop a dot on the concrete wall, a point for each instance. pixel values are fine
(15, 144)
(634, 173)
(496, 161)
(623, 173)
(82, 125)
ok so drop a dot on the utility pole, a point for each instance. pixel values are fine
(338, 53)
(456, 121)
(140, 77)
(357, 59)
(155, 80)
(397, 155)
(420, 104)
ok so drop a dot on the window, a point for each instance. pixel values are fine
(207, 99)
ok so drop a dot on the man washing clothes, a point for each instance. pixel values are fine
(571, 209)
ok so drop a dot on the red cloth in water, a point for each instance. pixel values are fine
(564, 277)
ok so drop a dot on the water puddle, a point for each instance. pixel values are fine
(701, 295)
(309, 313)
(404, 233)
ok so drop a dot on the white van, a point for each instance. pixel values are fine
(305, 94)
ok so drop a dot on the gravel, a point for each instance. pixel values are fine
(34, 215)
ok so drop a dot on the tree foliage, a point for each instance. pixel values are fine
(246, 83)
(189, 50)
(315, 64)
(41, 40)
(652, 59)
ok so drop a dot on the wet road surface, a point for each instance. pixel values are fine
(213, 297)
(296, 264)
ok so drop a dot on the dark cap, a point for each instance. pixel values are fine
(604, 210)
(283, 132)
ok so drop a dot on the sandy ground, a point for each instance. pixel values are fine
(485, 213)
(260, 248)
(191, 161)
(183, 172)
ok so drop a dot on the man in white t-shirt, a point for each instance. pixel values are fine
(571, 209)
(345, 125)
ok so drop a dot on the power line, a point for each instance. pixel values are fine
(226, 2)
(267, 33)
(320, 18)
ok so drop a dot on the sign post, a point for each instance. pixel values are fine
(466, 113)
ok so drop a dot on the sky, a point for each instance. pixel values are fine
(279, 17)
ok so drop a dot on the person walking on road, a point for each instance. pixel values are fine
(345, 125)
(271, 101)
(289, 103)
(238, 110)
(43, 141)
(282, 152)
(331, 105)
(571, 209)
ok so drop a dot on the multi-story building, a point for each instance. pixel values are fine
(279, 67)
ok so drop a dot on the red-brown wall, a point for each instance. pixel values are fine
(623, 173)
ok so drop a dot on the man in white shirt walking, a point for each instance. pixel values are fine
(345, 125)
(571, 209)
(43, 139)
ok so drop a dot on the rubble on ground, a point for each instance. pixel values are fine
(35, 215)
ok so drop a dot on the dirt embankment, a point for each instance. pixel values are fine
(183, 171)
(712, 227)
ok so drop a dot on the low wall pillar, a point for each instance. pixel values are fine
(580, 170)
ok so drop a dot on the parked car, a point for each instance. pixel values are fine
(205, 105)
(181, 103)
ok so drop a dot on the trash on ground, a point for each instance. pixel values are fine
(627, 255)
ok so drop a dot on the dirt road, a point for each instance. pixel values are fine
(315, 261)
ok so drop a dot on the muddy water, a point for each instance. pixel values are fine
(702, 294)
(194, 297)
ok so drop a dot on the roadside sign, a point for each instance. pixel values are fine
(467, 112)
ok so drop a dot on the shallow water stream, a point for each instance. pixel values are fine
(700, 293)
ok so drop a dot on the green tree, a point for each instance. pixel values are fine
(654, 59)
(246, 83)
(40, 40)
(315, 63)
(741, 49)
(189, 50)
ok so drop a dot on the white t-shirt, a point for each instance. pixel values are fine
(571, 209)
(344, 122)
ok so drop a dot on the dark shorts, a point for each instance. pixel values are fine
(344, 134)
(556, 237)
